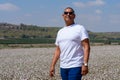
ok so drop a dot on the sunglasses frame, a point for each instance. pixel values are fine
(70, 13)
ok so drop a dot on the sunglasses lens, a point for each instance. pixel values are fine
(65, 12)
(68, 12)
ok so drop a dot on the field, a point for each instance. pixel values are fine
(34, 63)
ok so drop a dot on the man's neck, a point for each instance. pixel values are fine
(68, 24)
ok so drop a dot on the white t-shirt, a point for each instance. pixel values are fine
(69, 40)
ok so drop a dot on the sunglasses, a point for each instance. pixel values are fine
(69, 13)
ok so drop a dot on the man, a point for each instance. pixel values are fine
(72, 47)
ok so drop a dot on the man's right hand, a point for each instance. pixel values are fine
(52, 71)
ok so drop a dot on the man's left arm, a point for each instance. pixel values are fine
(86, 47)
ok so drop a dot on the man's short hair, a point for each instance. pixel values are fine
(70, 8)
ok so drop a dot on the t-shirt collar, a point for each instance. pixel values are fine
(70, 25)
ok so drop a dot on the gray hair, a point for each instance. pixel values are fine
(70, 8)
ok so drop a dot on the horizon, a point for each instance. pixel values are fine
(51, 27)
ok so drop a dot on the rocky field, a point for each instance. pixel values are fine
(34, 63)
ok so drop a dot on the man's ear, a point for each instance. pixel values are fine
(63, 15)
(74, 15)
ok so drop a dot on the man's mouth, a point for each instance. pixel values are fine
(68, 17)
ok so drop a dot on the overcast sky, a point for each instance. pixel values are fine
(94, 15)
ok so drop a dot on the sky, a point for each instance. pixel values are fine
(94, 15)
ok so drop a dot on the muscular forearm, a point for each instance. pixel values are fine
(86, 47)
(56, 56)
(54, 60)
(86, 53)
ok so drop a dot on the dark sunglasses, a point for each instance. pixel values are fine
(69, 13)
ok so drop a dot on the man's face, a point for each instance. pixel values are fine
(68, 15)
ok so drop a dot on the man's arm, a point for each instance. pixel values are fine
(86, 47)
(54, 60)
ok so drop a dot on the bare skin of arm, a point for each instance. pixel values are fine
(54, 61)
(86, 47)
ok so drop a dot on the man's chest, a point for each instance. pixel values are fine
(69, 34)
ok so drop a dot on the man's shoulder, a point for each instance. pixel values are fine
(79, 26)
(60, 30)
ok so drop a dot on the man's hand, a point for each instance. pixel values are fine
(84, 70)
(52, 71)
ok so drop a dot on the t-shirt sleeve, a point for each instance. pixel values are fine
(84, 33)
(56, 41)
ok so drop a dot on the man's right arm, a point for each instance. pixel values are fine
(54, 60)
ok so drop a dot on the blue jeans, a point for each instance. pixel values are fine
(71, 73)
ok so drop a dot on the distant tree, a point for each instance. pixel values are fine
(107, 42)
(48, 36)
(24, 36)
(5, 37)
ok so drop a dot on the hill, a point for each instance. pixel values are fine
(32, 32)
(26, 31)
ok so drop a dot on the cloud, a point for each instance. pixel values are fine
(79, 4)
(96, 3)
(98, 11)
(8, 7)
(28, 15)
(89, 3)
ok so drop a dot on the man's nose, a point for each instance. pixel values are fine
(68, 13)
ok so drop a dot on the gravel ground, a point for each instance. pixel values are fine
(34, 63)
